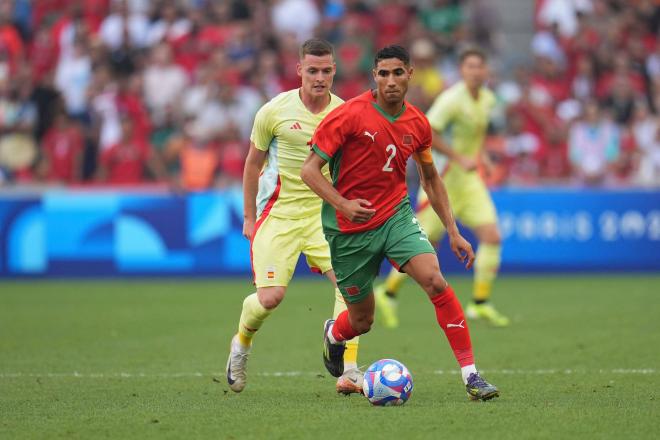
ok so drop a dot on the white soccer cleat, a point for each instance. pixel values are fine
(350, 382)
(237, 365)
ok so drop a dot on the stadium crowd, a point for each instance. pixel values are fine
(137, 91)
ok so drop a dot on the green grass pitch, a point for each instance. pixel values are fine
(145, 359)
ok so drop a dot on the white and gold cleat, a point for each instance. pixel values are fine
(350, 382)
(237, 365)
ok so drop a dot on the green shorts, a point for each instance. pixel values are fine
(356, 258)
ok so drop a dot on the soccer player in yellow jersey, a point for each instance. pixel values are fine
(282, 216)
(461, 112)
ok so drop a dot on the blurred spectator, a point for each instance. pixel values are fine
(105, 114)
(18, 115)
(196, 96)
(620, 100)
(11, 44)
(621, 73)
(47, 103)
(162, 134)
(562, 12)
(427, 82)
(485, 23)
(197, 157)
(72, 79)
(73, 28)
(233, 151)
(212, 64)
(267, 77)
(62, 151)
(129, 101)
(594, 146)
(392, 17)
(241, 49)
(351, 83)
(42, 52)
(583, 84)
(125, 162)
(297, 17)
(521, 148)
(169, 26)
(355, 50)
(229, 105)
(653, 63)
(164, 82)
(554, 166)
(442, 17)
(646, 132)
(125, 26)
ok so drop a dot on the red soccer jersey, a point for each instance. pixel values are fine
(125, 162)
(367, 150)
(61, 146)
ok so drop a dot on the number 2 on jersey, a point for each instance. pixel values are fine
(391, 148)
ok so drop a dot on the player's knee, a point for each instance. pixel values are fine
(492, 236)
(362, 322)
(494, 239)
(271, 297)
(436, 284)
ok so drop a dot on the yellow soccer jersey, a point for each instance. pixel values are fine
(464, 119)
(283, 127)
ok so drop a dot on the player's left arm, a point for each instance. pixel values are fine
(437, 194)
(483, 151)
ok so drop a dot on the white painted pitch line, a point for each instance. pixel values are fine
(520, 372)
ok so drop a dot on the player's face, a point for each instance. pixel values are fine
(474, 71)
(392, 76)
(317, 73)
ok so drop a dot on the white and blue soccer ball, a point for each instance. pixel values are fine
(387, 383)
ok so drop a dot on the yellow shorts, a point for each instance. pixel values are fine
(470, 201)
(277, 244)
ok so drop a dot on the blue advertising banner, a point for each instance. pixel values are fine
(109, 233)
(73, 233)
(551, 230)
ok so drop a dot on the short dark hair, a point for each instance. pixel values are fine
(393, 51)
(472, 51)
(317, 47)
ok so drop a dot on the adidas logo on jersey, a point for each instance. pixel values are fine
(296, 126)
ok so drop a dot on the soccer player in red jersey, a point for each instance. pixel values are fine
(367, 216)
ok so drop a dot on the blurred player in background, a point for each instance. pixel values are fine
(463, 113)
(367, 215)
(282, 216)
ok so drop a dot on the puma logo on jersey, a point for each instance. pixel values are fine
(296, 126)
(372, 136)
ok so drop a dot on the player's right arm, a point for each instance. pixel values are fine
(440, 115)
(260, 139)
(328, 138)
(356, 210)
(254, 163)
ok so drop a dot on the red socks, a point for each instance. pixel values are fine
(342, 329)
(450, 317)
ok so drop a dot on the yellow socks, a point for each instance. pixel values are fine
(350, 355)
(486, 265)
(394, 281)
(252, 317)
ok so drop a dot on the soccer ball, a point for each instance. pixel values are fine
(387, 383)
